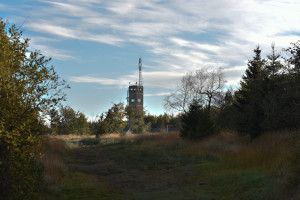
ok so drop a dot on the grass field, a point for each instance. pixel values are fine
(163, 166)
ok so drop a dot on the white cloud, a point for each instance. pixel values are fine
(2, 6)
(222, 32)
(37, 39)
(195, 45)
(58, 54)
(153, 79)
(53, 29)
(158, 94)
(121, 8)
(233, 75)
(74, 34)
(161, 79)
(157, 79)
(105, 39)
(121, 83)
(36, 43)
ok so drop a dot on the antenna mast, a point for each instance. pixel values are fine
(140, 72)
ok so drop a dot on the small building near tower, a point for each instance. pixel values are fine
(135, 93)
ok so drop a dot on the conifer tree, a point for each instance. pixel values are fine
(249, 95)
(196, 123)
(272, 85)
(273, 64)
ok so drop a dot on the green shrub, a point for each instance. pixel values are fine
(21, 178)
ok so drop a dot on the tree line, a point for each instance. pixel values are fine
(120, 118)
(266, 100)
(117, 119)
(66, 120)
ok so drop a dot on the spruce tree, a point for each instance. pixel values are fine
(249, 96)
(273, 64)
(196, 123)
(273, 86)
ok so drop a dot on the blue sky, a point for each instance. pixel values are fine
(95, 44)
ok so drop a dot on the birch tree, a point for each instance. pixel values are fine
(203, 86)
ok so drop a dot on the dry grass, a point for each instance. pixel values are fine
(144, 138)
(223, 142)
(273, 152)
(158, 139)
(71, 136)
(268, 151)
(52, 159)
(225, 162)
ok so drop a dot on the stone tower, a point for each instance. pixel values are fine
(135, 94)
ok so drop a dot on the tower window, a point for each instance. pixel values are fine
(139, 100)
(132, 100)
(140, 89)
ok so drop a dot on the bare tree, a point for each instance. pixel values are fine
(182, 97)
(204, 86)
(208, 86)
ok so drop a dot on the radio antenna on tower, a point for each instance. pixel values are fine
(140, 72)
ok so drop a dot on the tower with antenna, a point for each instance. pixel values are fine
(135, 93)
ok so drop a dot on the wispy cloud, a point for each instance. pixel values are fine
(122, 83)
(73, 33)
(58, 54)
(69, 9)
(53, 29)
(158, 94)
(234, 74)
(195, 45)
(2, 6)
(155, 79)
(184, 35)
